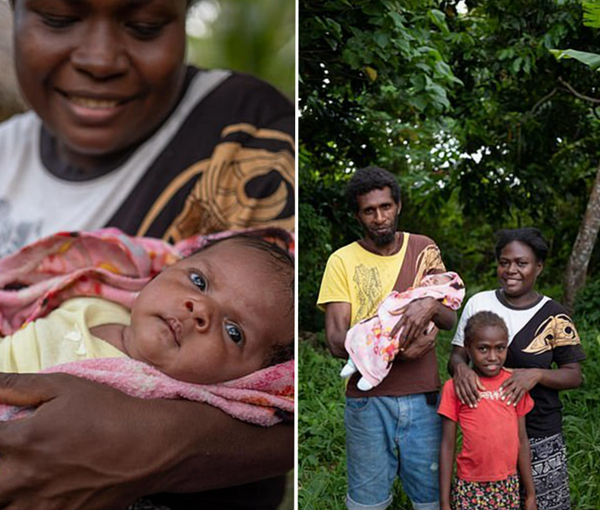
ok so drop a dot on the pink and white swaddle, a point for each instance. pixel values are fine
(369, 343)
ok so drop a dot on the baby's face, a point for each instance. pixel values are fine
(211, 317)
(437, 279)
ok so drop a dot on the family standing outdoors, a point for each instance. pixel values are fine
(123, 133)
(513, 453)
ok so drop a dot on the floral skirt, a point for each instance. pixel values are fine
(502, 494)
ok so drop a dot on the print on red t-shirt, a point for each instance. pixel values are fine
(490, 431)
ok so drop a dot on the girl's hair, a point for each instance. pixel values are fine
(530, 236)
(281, 265)
(481, 320)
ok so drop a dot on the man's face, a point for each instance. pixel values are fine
(378, 215)
(102, 74)
(211, 317)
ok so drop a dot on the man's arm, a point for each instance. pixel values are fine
(415, 318)
(337, 322)
(91, 447)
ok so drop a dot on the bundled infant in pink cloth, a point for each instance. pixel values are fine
(369, 343)
(220, 314)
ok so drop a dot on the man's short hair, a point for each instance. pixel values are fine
(368, 179)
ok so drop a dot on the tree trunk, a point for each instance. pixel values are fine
(582, 249)
(10, 98)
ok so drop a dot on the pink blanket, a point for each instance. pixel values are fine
(105, 263)
(264, 398)
(109, 264)
(369, 342)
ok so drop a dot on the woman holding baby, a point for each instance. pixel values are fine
(122, 133)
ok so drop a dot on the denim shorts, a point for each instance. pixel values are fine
(389, 436)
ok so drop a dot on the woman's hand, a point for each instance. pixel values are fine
(467, 385)
(520, 382)
(91, 447)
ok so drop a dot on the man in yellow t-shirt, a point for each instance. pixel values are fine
(393, 428)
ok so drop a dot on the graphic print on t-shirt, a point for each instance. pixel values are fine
(428, 262)
(369, 290)
(555, 331)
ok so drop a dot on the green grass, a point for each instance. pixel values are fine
(321, 449)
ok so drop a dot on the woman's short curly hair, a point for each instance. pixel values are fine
(529, 236)
(367, 179)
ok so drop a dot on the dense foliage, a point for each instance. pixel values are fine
(483, 126)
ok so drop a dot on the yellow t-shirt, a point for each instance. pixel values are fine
(357, 276)
(62, 336)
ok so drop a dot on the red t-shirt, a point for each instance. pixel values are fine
(490, 431)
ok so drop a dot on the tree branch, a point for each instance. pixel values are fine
(578, 94)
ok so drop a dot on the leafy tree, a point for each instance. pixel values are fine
(576, 272)
(374, 88)
(469, 109)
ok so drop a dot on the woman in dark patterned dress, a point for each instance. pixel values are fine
(544, 350)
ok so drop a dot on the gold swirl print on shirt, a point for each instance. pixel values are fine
(555, 331)
(219, 200)
(367, 283)
(429, 259)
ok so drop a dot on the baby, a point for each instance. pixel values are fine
(369, 343)
(221, 313)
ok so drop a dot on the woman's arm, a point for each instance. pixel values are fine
(91, 447)
(466, 382)
(447, 451)
(524, 466)
(565, 377)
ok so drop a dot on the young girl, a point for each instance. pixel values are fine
(495, 444)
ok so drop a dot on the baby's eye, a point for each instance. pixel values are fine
(199, 281)
(235, 333)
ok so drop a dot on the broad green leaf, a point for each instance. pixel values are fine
(591, 60)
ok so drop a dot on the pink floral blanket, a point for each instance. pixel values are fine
(109, 264)
(370, 343)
